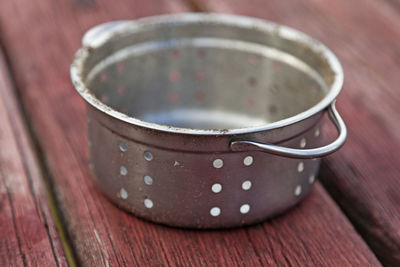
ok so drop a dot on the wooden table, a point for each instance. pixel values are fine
(51, 213)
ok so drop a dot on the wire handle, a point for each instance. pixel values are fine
(244, 145)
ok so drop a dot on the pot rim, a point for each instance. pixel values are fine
(233, 20)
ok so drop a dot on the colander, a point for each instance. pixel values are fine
(206, 120)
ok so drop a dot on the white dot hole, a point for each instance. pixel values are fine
(245, 208)
(123, 170)
(303, 142)
(300, 167)
(297, 190)
(123, 193)
(215, 211)
(246, 185)
(218, 163)
(148, 156)
(317, 132)
(148, 203)
(311, 179)
(148, 180)
(216, 188)
(247, 161)
(122, 146)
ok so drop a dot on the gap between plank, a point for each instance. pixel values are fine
(44, 170)
(196, 6)
(394, 4)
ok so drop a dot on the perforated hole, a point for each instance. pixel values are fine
(176, 53)
(276, 66)
(314, 89)
(123, 170)
(105, 98)
(122, 146)
(311, 179)
(251, 103)
(247, 161)
(200, 75)
(121, 67)
(216, 188)
(252, 81)
(253, 60)
(148, 203)
(317, 132)
(173, 97)
(245, 208)
(199, 96)
(148, 156)
(174, 76)
(201, 53)
(297, 190)
(215, 211)
(300, 167)
(121, 90)
(148, 180)
(274, 88)
(218, 163)
(246, 185)
(303, 142)
(272, 109)
(104, 77)
(123, 193)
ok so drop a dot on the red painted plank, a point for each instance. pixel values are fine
(28, 236)
(364, 176)
(314, 233)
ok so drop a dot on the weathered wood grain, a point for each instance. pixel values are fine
(28, 236)
(364, 176)
(40, 39)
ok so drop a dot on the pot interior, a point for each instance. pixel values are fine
(226, 78)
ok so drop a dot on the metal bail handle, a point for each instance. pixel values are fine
(244, 145)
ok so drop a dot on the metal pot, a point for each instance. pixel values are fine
(206, 120)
